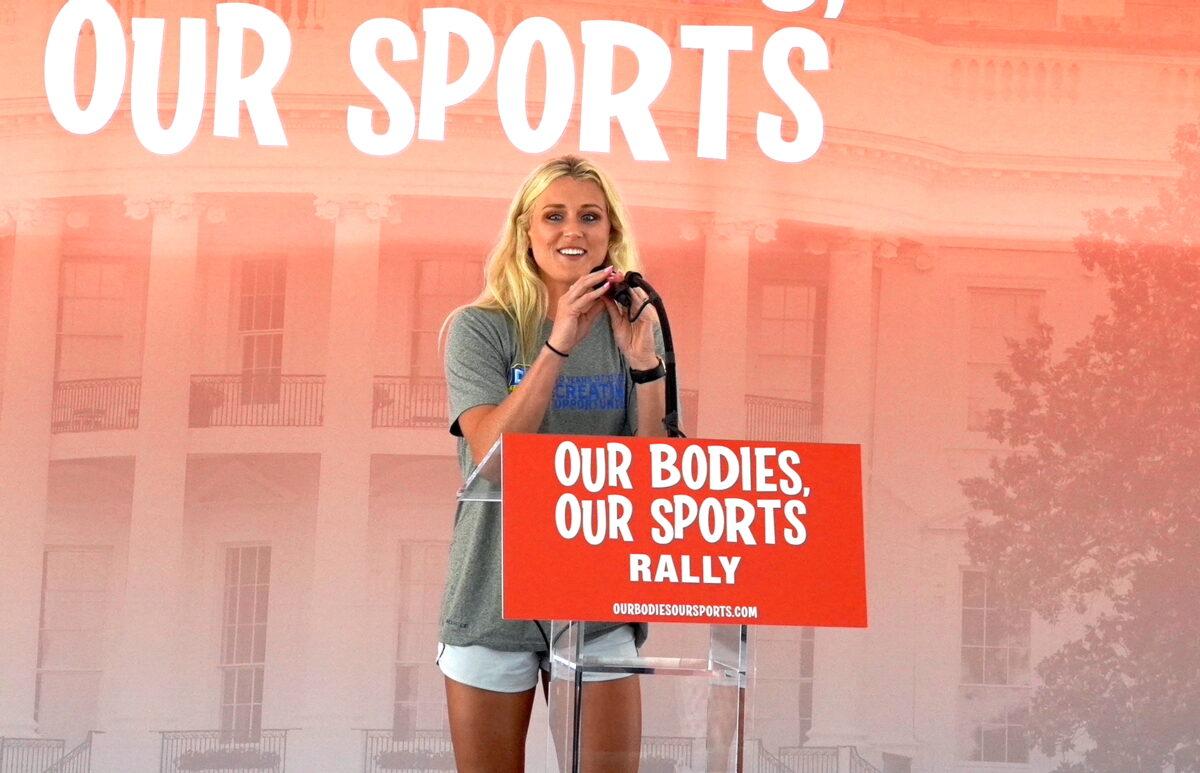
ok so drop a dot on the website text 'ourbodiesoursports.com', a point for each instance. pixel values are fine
(683, 610)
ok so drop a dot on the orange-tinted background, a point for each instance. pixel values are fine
(226, 482)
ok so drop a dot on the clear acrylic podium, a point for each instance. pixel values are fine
(693, 701)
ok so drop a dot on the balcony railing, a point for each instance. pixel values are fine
(298, 14)
(821, 759)
(78, 760)
(409, 401)
(386, 752)
(127, 9)
(29, 755)
(758, 759)
(859, 765)
(825, 759)
(666, 753)
(234, 400)
(264, 751)
(92, 404)
(774, 418)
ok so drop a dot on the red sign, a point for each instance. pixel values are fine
(628, 528)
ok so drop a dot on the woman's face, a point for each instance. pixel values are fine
(568, 230)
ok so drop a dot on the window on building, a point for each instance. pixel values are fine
(71, 640)
(91, 319)
(786, 683)
(788, 356)
(994, 682)
(260, 326)
(419, 696)
(442, 286)
(244, 641)
(997, 315)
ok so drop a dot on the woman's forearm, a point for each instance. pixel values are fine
(522, 411)
(651, 407)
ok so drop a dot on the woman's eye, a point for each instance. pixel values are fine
(590, 217)
(554, 217)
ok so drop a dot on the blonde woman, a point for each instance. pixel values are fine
(542, 349)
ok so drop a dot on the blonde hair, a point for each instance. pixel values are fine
(511, 282)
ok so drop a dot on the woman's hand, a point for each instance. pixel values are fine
(634, 339)
(578, 309)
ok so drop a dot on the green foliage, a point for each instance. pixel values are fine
(1096, 506)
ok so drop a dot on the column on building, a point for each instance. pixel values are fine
(219, 307)
(26, 382)
(400, 294)
(142, 693)
(848, 408)
(723, 328)
(337, 667)
(898, 576)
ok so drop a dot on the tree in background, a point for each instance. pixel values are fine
(1096, 508)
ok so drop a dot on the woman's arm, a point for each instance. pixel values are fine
(651, 408)
(521, 411)
(636, 340)
(524, 408)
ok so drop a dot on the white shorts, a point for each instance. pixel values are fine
(500, 671)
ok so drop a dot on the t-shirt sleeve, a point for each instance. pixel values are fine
(477, 363)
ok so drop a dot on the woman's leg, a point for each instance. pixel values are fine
(611, 720)
(612, 725)
(488, 728)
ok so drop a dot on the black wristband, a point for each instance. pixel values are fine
(647, 376)
(556, 351)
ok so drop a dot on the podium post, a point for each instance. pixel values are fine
(634, 530)
(726, 670)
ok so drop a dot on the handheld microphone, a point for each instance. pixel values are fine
(620, 292)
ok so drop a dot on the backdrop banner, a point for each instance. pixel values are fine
(943, 252)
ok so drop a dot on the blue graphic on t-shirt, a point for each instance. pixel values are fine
(516, 375)
(605, 392)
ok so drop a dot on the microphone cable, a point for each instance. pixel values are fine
(625, 297)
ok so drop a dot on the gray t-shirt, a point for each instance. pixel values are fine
(593, 396)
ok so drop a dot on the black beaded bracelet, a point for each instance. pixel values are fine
(556, 351)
